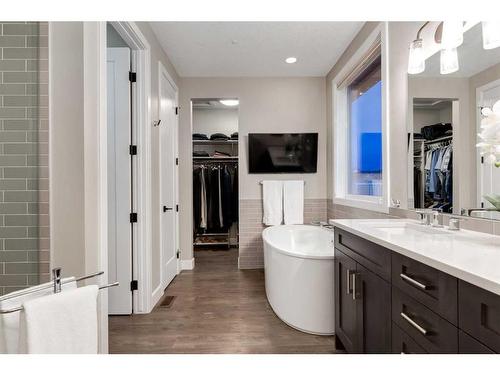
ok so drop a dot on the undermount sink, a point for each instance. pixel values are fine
(407, 228)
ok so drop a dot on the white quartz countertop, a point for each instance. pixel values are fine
(471, 256)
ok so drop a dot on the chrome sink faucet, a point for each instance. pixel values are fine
(425, 216)
(430, 217)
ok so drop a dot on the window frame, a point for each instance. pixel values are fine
(341, 128)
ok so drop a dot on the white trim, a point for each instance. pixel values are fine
(51, 142)
(162, 71)
(339, 133)
(141, 62)
(187, 264)
(95, 163)
(156, 295)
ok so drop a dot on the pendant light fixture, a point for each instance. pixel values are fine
(416, 60)
(453, 34)
(491, 34)
(449, 61)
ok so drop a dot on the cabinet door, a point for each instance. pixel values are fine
(345, 305)
(374, 298)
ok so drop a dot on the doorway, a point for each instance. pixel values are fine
(215, 179)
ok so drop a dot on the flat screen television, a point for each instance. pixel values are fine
(283, 153)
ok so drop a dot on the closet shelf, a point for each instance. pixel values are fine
(215, 158)
(215, 142)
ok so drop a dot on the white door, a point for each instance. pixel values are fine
(119, 180)
(168, 180)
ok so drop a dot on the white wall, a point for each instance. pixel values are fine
(266, 105)
(210, 121)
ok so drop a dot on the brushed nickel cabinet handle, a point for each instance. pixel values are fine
(348, 273)
(418, 327)
(413, 281)
(354, 286)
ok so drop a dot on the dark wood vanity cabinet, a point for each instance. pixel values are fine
(388, 303)
(363, 316)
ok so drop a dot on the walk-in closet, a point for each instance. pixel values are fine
(215, 175)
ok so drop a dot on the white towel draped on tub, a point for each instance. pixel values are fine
(9, 323)
(293, 202)
(272, 192)
(62, 323)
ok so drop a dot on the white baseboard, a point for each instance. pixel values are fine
(187, 264)
(156, 296)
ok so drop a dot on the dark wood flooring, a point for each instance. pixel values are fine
(217, 309)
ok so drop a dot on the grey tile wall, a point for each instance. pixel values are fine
(24, 221)
(250, 231)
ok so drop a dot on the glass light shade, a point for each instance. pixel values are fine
(453, 34)
(491, 34)
(449, 61)
(416, 60)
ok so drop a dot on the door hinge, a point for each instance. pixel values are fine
(178, 254)
(176, 208)
(176, 161)
(133, 217)
(134, 285)
(132, 150)
(482, 159)
(176, 110)
(132, 76)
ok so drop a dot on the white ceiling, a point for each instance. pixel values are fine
(254, 49)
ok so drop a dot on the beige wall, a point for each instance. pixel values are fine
(266, 105)
(210, 121)
(66, 147)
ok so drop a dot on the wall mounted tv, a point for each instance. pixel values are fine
(282, 153)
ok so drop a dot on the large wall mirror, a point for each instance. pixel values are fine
(446, 171)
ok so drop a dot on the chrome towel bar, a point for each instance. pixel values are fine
(56, 285)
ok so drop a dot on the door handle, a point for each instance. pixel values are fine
(165, 208)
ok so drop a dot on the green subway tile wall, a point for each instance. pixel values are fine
(24, 198)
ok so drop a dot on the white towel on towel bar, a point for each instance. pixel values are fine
(9, 323)
(62, 323)
(293, 202)
(272, 192)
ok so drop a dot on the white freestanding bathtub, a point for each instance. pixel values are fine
(299, 272)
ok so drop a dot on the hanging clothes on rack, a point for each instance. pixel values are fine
(215, 205)
(438, 167)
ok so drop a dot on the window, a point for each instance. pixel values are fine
(365, 133)
(359, 129)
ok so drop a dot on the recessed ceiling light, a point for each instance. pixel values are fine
(291, 60)
(230, 102)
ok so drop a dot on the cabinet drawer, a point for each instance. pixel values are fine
(402, 343)
(468, 345)
(374, 257)
(479, 314)
(433, 333)
(434, 289)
